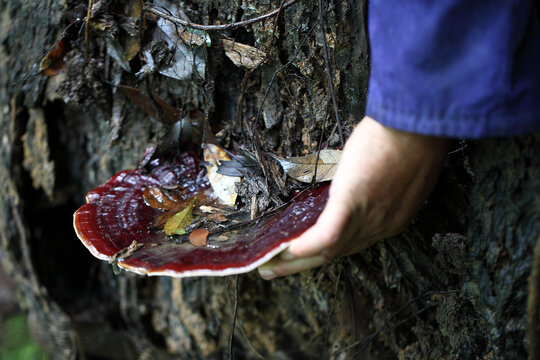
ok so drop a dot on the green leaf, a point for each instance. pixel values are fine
(176, 225)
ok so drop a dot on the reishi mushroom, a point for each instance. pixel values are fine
(117, 225)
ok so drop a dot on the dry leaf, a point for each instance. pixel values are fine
(211, 209)
(176, 225)
(53, 63)
(170, 208)
(132, 48)
(162, 218)
(195, 37)
(198, 237)
(217, 218)
(212, 213)
(243, 55)
(188, 61)
(163, 199)
(302, 168)
(222, 185)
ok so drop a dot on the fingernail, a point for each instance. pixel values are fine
(287, 256)
(267, 274)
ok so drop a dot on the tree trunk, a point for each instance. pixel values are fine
(454, 285)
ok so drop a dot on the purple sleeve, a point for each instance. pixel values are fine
(462, 68)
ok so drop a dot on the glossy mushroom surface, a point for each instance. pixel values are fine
(117, 225)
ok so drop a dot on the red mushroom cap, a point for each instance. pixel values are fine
(117, 225)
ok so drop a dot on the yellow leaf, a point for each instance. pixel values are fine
(176, 225)
(132, 48)
(136, 8)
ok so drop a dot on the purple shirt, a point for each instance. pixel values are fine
(462, 68)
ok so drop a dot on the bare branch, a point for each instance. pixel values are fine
(329, 73)
(230, 26)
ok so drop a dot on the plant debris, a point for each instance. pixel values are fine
(162, 198)
(224, 186)
(198, 237)
(187, 60)
(245, 56)
(53, 63)
(240, 165)
(176, 225)
(302, 168)
(133, 44)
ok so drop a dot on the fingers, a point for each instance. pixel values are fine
(317, 246)
(278, 267)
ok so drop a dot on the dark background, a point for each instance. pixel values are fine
(60, 139)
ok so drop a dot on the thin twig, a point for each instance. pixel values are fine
(314, 179)
(230, 26)
(267, 91)
(329, 73)
(265, 166)
(234, 317)
(250, 71)
(457, 150)
(336, 289)
(249, 343)
(416, 313)
(87, 27)
(394, 314)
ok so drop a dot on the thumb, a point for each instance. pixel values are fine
(323, 235)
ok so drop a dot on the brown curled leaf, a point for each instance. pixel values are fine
(193, 38)
(215, 214)
(163, 199)
(53, 63)
(302, 168)
(217, 218)
(198, 237)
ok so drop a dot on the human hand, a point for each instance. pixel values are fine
(383, 179)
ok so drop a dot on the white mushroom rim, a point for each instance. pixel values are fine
(208, 272)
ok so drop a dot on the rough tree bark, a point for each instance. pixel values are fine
(62, 136)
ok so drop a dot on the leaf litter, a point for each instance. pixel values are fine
(242, 55)
(302, 168)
